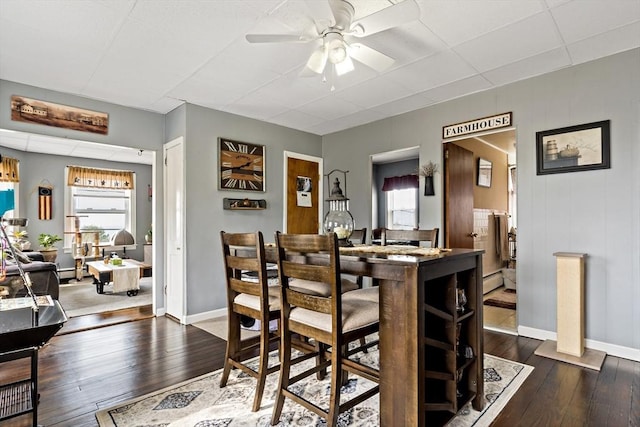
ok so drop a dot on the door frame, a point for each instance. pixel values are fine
(182, 315)
(299, 156)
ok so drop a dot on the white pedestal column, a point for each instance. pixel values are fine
(570, 346)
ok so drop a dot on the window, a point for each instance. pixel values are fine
(4, 186)
(98, 210)
(402, 212)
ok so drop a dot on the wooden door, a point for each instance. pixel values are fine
(302, 219)
(458, 204)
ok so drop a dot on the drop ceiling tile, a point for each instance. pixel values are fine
(293, 91)
(432, 71)
(296, 119)
(404, 105)
(609, 43)
(373, 92)
(233, 74)
(512, 43)
(578, 22)
(347, 122)
(205, 92)
(202, 27)
(529, 67)
(457, 89)
(165, 104)
(256, 107)
(458, 21)
(329, 108)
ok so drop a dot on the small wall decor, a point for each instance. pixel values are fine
(241, 165)
(484, 172)
(244, 204)
(573, 148)
(57, 115)
(428, 170)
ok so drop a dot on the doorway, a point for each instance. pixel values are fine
(51, 155)
(480, 213)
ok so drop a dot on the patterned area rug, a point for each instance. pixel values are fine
(503, 299)
(201, 402)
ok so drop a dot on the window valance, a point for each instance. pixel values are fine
(9, 170)
(400, 182)
(79, 176)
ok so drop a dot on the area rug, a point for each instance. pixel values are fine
(81, 298)
(503, 299)
(201, 402)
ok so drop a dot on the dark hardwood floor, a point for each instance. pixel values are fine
(83, 372)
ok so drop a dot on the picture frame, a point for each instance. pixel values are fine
(485, 168)
(573, 148)
(241, 165)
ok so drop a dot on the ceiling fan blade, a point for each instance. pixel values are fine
(316, 63)
(275, 38)
(392, 16)
(344, 67)
(370, 57)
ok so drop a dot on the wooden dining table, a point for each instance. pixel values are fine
(431, 351)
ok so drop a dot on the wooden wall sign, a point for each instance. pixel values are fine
(49, 114)
(478, 125)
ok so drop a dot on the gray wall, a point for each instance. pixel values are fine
(593, 212)
(204, 214)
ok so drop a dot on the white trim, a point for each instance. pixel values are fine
(610, 349)
(207, 315)
(319, 161)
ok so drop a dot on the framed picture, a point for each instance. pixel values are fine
(573, 148)
(241, 165)
(484, 172)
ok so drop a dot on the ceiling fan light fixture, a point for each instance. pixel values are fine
(344, 67)
(336, 48)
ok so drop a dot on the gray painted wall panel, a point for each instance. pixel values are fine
(595, 212)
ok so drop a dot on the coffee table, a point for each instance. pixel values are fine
(103, 274)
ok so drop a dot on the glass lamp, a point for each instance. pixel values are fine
(339, 220)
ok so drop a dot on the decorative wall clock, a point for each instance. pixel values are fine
(241, 165)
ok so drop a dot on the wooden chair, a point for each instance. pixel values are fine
(410, 236)
(331, 321)
(253, 299)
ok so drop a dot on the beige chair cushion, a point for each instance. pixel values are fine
(253, 301)
(368, 294)
(318, 288)
(356, 313)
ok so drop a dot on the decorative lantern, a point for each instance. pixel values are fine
(339, 219)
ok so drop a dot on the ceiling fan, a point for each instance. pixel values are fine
(339, 43)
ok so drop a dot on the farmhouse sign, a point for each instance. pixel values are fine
(478, 125)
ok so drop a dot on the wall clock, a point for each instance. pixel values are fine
(241, 165)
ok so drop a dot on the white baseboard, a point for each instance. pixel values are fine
(611, 349)
(206, 315)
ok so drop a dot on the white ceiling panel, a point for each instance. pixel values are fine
(432, 71)
(512, 43)
(529, 67)
(155, 55)
(458, 21)
(577, 22)
(605, 44)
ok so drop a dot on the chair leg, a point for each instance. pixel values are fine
(283, 381)
(233, 344)
(262, 368)
(336, 384)
(321, 348)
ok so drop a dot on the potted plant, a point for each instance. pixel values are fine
(19, 239)
(49, 252)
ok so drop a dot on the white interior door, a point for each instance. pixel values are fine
(175, 282)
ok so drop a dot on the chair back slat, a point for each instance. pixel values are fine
(244, 252)
(244, 287)
(324, 269)
(430, 236)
